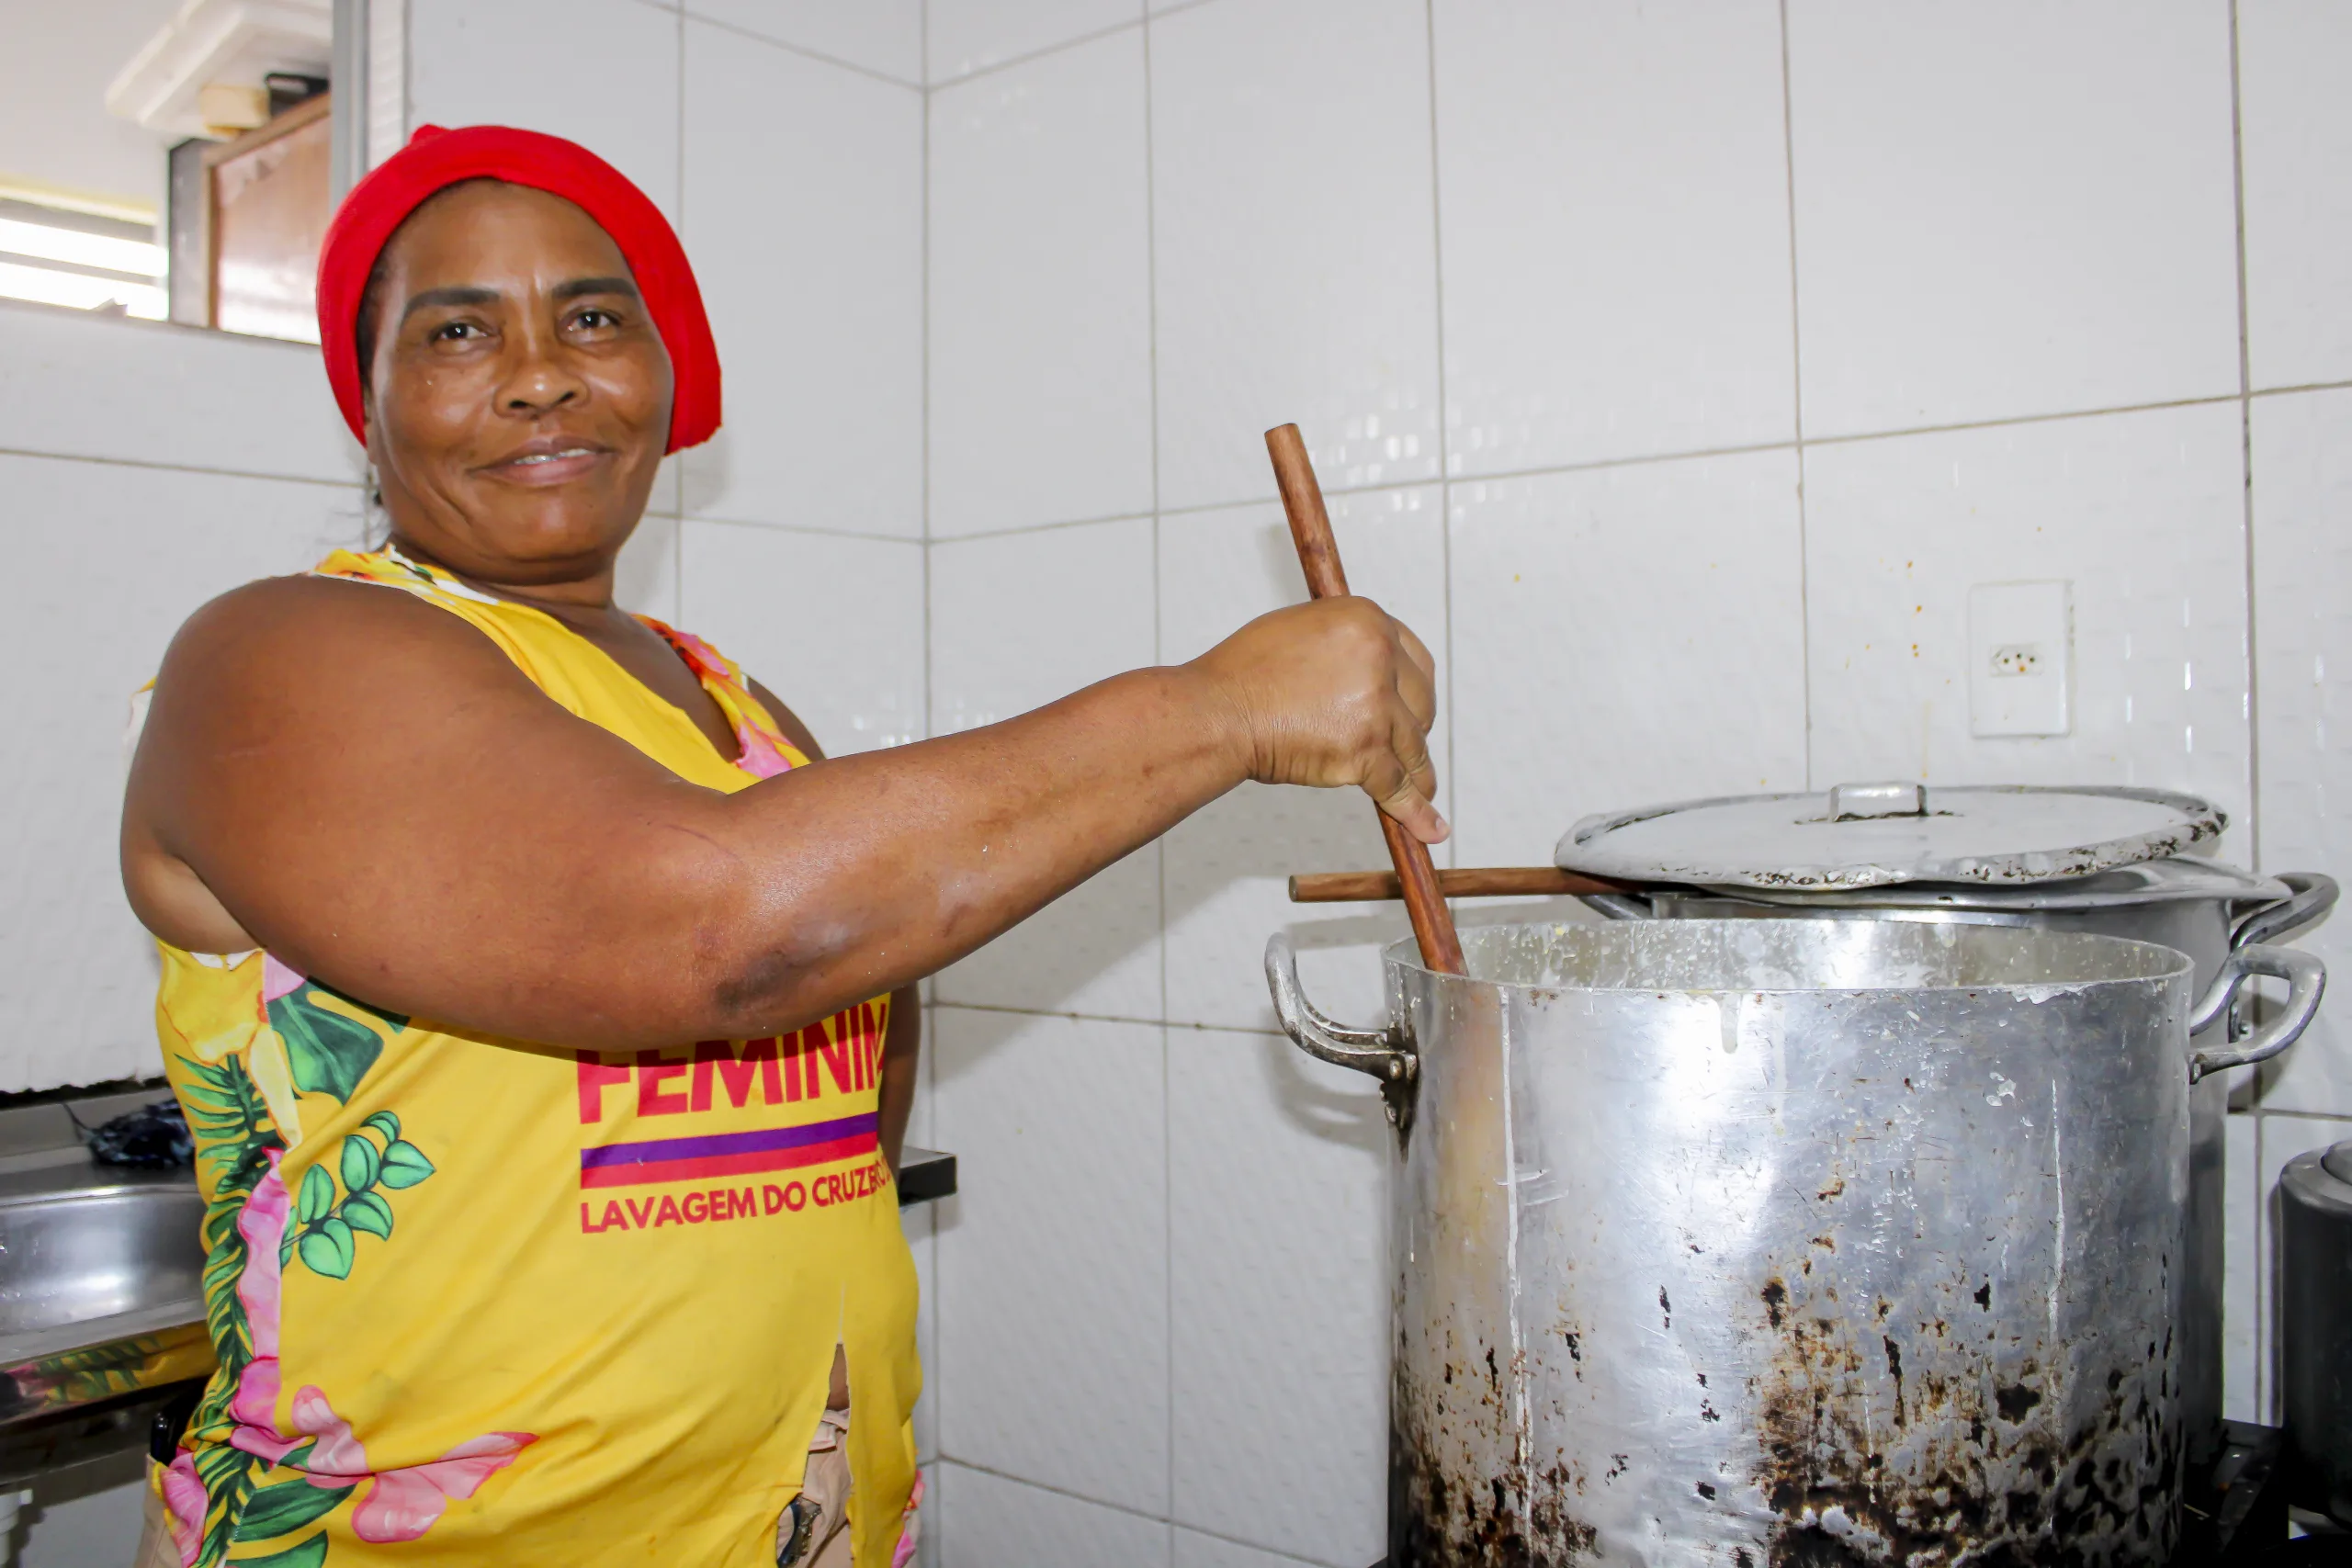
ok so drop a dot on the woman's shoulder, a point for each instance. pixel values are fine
(307, 628)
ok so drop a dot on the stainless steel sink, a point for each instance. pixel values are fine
(101, 1294)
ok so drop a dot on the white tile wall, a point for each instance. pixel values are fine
(1638, 636)
(884, 35)
(645, 578)
(804, 218)
(2006, 208)
(922, 1225)
(146, 468)
(111, 560)
(1278, 1248)
(1018, 620)
(1991, 217)
(1194, 1549)
(1040, 292)
(1054, 1269)
(2143, 513)
(972, 35)
(1227, 865)
(1616, 228)
(989, 1521)
(832, 624)
(2303, 562)
(604, 73)
(2296, 124)
(142, 392)
(1984, 215)
(1294, 244)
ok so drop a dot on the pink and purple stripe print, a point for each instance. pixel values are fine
(728, 1154)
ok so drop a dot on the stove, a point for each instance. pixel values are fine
(2235, 1514)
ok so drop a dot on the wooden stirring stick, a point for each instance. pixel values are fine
(1491, 882)
(1319, 557)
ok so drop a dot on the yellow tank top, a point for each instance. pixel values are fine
(480, 1301)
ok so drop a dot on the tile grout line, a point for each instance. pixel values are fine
(1644, 459)
(2261, 1283)
(1122, 1508)
(996, 67)
(1160, 845)
(1043, 50)
(2304, 387)
(2246, 439)
(1197, 1026)
(1796, 394)
(2008, 422)
(1444, 432)
(1019, 528)
(357, 481)
(2262, 1335)
(2262, 1110)
(937, 1382)
(815, 530)
(804, 53)
(922, 67)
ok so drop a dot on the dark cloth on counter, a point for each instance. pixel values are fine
(154, 1136)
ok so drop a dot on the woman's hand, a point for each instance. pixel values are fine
(1330, 693)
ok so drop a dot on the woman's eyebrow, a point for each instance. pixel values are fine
(454, 295)
(580, 285)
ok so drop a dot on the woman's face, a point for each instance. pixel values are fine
(519, 396)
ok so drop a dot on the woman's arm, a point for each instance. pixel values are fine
(365, 784)
(902, 1040)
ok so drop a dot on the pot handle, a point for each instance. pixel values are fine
(1379, 1052)
(1619, 906)
(2306, 978)
(2315, 895)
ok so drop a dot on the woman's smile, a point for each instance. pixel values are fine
(550, 460)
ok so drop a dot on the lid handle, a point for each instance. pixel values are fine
(1859, 803)
(2337, 1162)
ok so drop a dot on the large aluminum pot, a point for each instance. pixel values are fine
(1787, 1242)
(2203, 908)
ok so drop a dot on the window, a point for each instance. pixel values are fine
(58, 256)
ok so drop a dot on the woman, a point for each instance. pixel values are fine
(537, 993)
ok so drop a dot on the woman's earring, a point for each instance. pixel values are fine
(378, 528)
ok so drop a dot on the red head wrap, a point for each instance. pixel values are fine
(435, 159)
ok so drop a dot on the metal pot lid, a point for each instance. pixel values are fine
(1873, 835)
(2149, 882)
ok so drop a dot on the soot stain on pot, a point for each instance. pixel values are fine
(1963, 1488)
(1508, 1521)
(1447, 1508)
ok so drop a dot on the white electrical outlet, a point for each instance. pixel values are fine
(2020, 659)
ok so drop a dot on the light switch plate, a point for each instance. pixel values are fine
(2020, 659)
